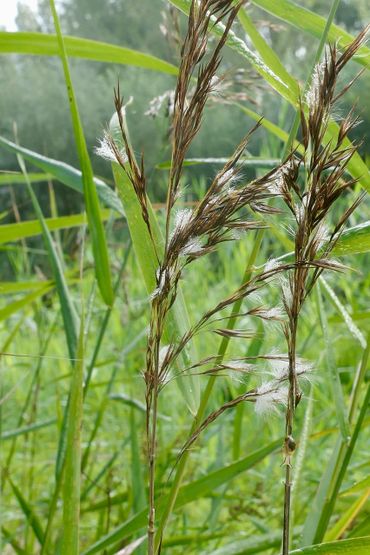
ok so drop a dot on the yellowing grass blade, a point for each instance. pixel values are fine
(347, 518)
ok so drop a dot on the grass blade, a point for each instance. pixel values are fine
(30, 228)
(28, 512)
(357, 546)
(322, 508)
(346, 520)
(267, 54)
(72, 475)
(355, 240)
(66, 174)
(250, 162)
(190, 492)
(15, 306)
(69, 314)
(336, 385)
(43, 44)
(312, 23)
(249, 546)
(27, 429)
(175, 488)
(99, 244)
(15, 178)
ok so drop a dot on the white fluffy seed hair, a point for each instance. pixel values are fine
(106, 151)
(268, 395)
(182, 218)
(192, 247)
(271, 264)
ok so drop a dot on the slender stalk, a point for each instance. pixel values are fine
(289, 445)
(151, 460)
(292, 375)
(205, 398)
(72, 478)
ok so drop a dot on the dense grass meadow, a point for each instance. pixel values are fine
(184, 247)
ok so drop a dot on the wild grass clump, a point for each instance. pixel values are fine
(228, 338)
(309, 182)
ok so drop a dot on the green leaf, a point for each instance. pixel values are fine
(267, 54)
(345, 316)
(66, 174)
(335, 382)
(42, 44)
(28, 512)
(327, 493)
(27, 429)
(249, 546)
(235, 309)
(17, 305)
(354, 240)
(14, 178)
(9, 537)
(346, 519)
(137, 478)
(357, 487)
(135, 403)
(11, 287)
(188, 493)
(69, 313)
(250, 162)
(312, 23)
(30, 228)
(269, 126)
(72, 474)
(356, 546)
(95, 224)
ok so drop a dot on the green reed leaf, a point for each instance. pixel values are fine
(188, 493)
(66, 174)
(30, 515)
(69, 313)
(356, 546)
(96, 229)
(72, 474)
(312, 23)
(43, 44)
(30, 228)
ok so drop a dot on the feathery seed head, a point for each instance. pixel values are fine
(193, 247)
(107, 150)
(182, 219)
(268, 395)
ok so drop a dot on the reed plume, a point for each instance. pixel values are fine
(311, 202)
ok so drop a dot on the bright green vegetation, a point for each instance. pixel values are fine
(77, 270)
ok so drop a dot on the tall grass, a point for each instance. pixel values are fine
(198, 346)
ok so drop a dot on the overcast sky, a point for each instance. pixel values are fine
(8, 12)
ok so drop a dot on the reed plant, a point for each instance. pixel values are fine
(263, 340)
(309, 182)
